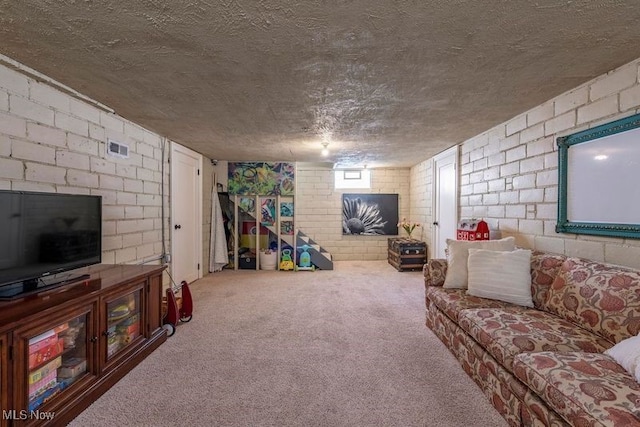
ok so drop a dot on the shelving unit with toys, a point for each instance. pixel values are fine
(264, 227)
(56, 358)
(123, 322)
(62, 348)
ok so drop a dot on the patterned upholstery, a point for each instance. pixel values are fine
(544, 268)
(543, 366)
(504, 333)
(467, 352)
(587, 389)
(535, 412)
(452, 301)
(602, 298)
(434, 272)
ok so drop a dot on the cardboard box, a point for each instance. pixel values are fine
(43, 384)
(128, 329)
(113, 347)
(129, 320)
(127, 338)
(46, 353)
(72, 367)
(41, 373)
(42, 342)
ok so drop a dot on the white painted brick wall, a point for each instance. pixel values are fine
(523, 202)
(50, 141)
(12, 169)
(598, 109)
(615, 81)
(571, 100)
(13, 82)
(319, 210)
(28, 151)
(44, 94)
(46, 135)
(12, 125)
(71, 124)
(630, 98)
(4, 101)
(30, 110)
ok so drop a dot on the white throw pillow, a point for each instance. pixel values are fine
(501, 275)
(458, 254)
(627, 354)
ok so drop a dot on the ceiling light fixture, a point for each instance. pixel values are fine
(325, 150)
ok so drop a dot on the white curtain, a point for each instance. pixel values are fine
(219, 257)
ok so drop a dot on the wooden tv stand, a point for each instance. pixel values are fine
(62, 348)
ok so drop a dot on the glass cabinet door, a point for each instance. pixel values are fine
(57, 358)
(124, 321)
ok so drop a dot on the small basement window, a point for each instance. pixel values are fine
(352, 178)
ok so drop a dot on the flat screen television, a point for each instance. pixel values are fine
(43, 237)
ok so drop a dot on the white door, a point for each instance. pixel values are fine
(186, 214)
(445, 200)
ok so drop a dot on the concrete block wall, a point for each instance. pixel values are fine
(421, 200)
(509, 174)
(319, 210)
(53, 142)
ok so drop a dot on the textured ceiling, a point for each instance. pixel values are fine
(387, 83)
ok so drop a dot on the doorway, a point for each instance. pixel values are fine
(186, 214)
(445, 200)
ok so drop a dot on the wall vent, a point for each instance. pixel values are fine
(117, 149)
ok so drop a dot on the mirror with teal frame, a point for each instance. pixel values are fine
(599, 180)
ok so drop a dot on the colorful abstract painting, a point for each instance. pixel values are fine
(286, 227)
(286, 209)
(262, 178)
(247, 204)
(268, 212)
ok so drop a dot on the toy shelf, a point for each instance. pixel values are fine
(262, 223)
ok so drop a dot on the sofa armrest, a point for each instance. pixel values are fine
(435, 271)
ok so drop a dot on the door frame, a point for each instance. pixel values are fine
(175, 147)
(435, 200)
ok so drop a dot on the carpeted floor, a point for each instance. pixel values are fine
(346, 347)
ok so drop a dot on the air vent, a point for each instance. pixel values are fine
(117, 149)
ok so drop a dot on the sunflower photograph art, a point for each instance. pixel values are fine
(370, 214)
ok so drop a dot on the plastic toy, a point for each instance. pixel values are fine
(305, 259)
(286, 263)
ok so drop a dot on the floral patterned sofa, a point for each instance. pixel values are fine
(546, 365)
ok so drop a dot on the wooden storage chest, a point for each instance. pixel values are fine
(406, 254)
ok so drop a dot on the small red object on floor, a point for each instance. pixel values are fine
(177, 308)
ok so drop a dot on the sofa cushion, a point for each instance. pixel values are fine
(452, 301)
(458, 255)
(506, 332)
(602, 298)
(544, 268)
(584, 388)
(501, 275)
